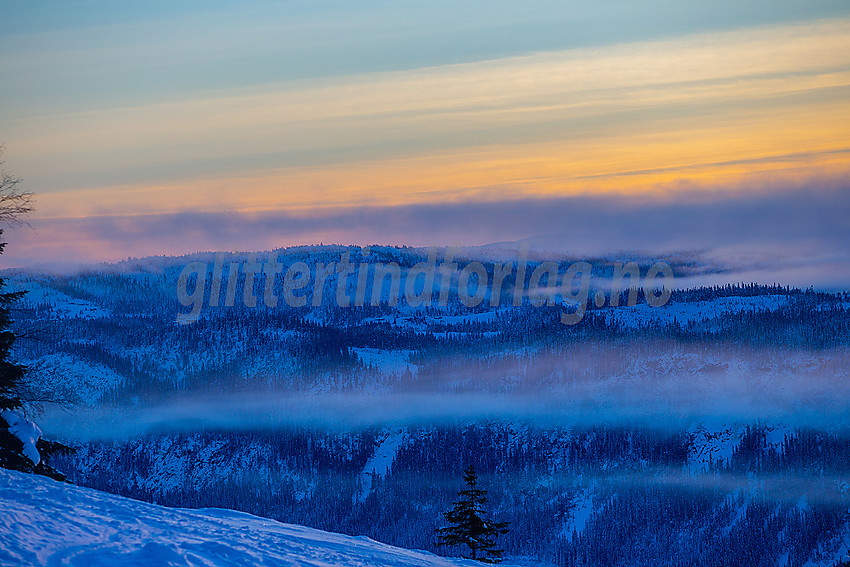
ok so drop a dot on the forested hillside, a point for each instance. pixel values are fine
(709, 431)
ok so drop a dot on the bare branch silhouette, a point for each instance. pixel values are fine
(15, 203)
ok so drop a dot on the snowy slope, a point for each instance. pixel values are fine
(381, 461)
(61, 304)
(692, 311)
(43, 522)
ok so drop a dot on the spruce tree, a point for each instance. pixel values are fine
(468, 527)
(10, 373)
(21, 445)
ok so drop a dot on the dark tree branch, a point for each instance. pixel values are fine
(15, 203)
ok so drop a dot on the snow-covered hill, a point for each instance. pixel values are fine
(44, 522)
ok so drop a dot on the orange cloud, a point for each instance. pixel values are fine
(700, 151)
(653, 118)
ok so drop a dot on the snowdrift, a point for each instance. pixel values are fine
(44, 522)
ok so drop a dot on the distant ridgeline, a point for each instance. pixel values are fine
(118, 322)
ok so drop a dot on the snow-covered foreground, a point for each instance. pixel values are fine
(43, 522)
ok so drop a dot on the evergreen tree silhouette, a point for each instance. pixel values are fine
(13, 204)
(468, 527)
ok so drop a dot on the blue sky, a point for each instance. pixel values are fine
(81, 55)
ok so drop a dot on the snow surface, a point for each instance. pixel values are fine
(581, 513)
(688, 312)
(381, 461)
(62, 304)
(44, 522)
(74, 378)
(26, 431)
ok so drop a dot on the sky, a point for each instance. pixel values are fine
(151, 128)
